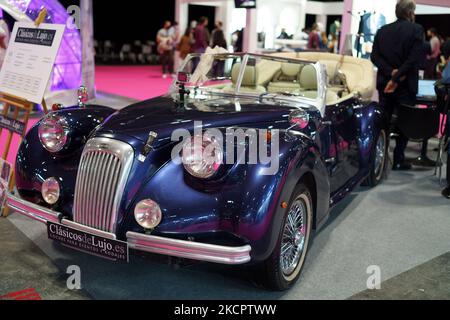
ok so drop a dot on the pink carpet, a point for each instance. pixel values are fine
(137, 82)
(14, 143)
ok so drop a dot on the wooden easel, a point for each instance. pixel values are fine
(12, 107)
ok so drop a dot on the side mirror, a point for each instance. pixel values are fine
(183, 77)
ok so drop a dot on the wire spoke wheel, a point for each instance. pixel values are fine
(283, 267)
(379, 159)
(294, 236)
(380, 156)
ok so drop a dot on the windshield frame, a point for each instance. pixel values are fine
(318, 103)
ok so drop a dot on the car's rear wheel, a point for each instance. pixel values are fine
(379, 161)
(284, 266)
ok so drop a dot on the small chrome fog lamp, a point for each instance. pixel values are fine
(51, 191)
(148, 214)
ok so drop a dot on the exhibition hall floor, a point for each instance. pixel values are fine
(401, 226)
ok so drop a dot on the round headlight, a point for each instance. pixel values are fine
(53, 131)
(51, 191)
(148, 214)
(202, 156)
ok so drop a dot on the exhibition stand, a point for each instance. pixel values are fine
(379, 12)
(270, 17)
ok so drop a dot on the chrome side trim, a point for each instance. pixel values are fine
(189, 250)
(89, 230)
(32, 210)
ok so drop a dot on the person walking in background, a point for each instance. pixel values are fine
(303, 35)
(283, 35)
(323, 41)
(397, 52)
(333, 44)
(185, 45)
(218, 37)
(165, 40)
(201, 36)
(314, 38)
(433, 58)
(238, 40)
(218, 40)
(175, 34)
(446, 54)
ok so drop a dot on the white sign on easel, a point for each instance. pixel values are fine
(29, 60)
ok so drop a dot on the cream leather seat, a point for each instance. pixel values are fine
(360, 73)
(308, 82)
(267, 69)
(287, 79)
(249, 81)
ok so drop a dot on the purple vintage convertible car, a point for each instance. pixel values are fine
(301, 133)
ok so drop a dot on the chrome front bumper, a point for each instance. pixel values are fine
(141, 242)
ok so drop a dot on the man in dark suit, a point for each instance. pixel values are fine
(398, 54)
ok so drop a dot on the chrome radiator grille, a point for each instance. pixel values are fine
(104, 169)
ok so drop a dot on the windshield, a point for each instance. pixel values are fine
(252, 75)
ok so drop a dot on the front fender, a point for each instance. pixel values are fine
(244, 203)
(264, 227)
(34, 164)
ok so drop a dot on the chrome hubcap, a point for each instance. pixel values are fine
(380, 156)
(299, 237)
(294, 237)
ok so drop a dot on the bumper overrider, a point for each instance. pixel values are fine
(137, 241)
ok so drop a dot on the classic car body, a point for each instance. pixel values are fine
(109, 164)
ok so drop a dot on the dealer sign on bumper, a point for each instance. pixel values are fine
(89, 243)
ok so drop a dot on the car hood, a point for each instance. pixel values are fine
(163, 116)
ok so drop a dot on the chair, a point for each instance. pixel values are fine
(443, 105)
(108, 50)
(418, 123)
(126, 53)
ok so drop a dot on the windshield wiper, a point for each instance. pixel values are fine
(289, 94)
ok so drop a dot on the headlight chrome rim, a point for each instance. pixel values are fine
(148, 214)
(197, 162)
(53, 133)
(51, 191)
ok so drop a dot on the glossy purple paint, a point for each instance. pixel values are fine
(238, 207)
